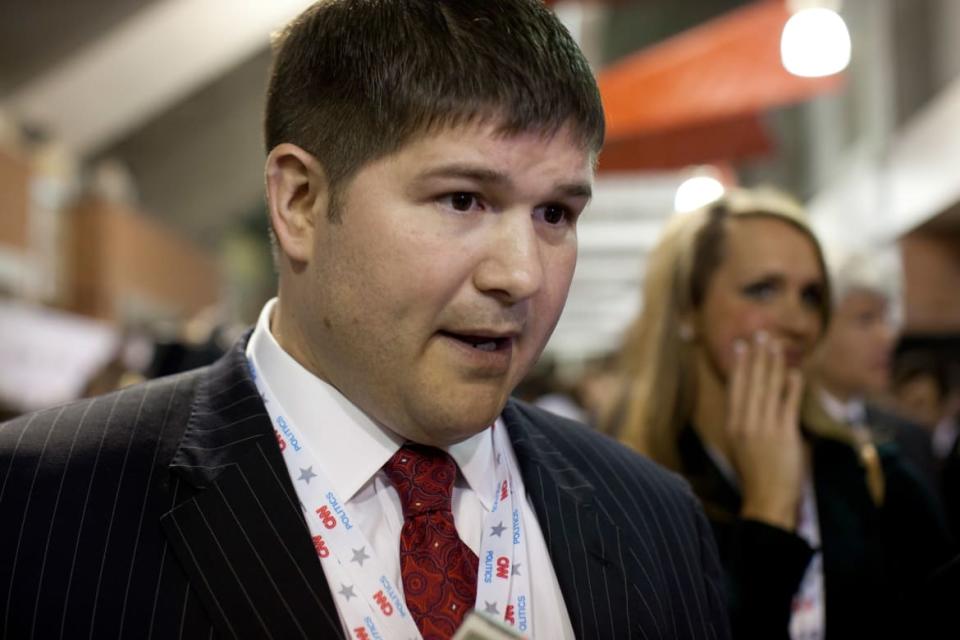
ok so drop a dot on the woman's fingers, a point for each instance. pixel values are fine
(764, 394)
(758, 385)
(766, 449)
(773, 394)
(739, 382)
(791, 402)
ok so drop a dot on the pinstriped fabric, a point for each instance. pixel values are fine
(29, 502)
(97, 493)
(165, 511)
(249, 574)
(15, 433)
(241, 537)
(78, 555)
(665, 528)
(628, 540)
(142, 511)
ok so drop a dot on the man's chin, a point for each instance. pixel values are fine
(454, 424)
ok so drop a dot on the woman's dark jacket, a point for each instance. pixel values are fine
(874, 558)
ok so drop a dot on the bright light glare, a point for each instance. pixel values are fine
(696, 192)
(815, 42)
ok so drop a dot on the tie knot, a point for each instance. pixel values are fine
(423, 476)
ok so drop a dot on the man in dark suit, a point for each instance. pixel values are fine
(853, 364)
(354, 467)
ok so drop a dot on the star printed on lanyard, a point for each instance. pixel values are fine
(307, 474)
(498, 530)
(515, 571)
(347, 592)
(490, 607)
(359, 555)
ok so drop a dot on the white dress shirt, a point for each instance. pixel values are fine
(351, 448)
(852, 412)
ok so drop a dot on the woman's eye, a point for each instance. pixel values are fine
(759, 290)
(813, 296)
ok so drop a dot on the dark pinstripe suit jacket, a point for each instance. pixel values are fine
(165, 511)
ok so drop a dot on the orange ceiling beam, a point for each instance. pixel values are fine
(715, 142)
(723, 73)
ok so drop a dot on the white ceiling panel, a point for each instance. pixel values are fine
(145, 65)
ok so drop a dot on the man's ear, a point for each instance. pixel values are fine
(297, 196)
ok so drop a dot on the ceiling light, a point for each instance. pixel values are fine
(815, 42)
(696, 192)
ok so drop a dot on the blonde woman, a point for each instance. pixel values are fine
(816, 528)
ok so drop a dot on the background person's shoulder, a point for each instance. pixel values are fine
(82, 430)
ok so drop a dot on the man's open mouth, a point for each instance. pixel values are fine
(483, 343)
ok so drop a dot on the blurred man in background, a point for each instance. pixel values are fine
(853, 365)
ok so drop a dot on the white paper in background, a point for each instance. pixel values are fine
(47, 356)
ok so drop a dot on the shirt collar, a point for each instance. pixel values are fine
(347, 444)
(474, 457)
(852, 411)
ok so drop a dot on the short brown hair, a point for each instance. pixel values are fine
(354, 80)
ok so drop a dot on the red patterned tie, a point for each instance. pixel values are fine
(439, 571)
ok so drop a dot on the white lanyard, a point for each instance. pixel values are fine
(366, 597)
(807, 615)
(503, 578)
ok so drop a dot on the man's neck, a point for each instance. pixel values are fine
(291, 339)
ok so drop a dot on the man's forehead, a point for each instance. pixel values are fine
(864, 297)
(498, 126)
(488, 153)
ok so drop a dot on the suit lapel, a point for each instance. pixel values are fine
(848, 521)
(240, 536)
(582, 542)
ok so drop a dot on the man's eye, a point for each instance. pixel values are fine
(461, 201)
(554, 214)
(870, 318)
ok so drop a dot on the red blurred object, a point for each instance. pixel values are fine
(699, 97)
(710, 142)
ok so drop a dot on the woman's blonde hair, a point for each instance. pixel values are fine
(657, 360)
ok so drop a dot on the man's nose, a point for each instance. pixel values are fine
(512, 266)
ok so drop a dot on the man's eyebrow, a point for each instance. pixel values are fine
(498, 178)
(576, 190)
(468, 171)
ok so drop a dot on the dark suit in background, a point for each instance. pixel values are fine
(874, 558)
(166, 511)
(950, 487)
(911, 439)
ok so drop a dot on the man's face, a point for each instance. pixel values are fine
(919, 399)
(854, 357)
(438, 289)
